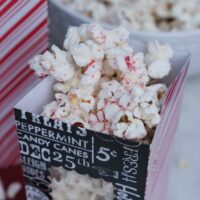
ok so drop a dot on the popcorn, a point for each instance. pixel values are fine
(157, 51)
(110, 111)
(119, 129)
(125, 126)
(157, 92)
(50, 109)
(141, 15)
(69, 108)
(64, 87)
(83, 32)
(72, 37)
(137, 91)
(97, 33)
(103, 85)
(115, 57)
(121, 35)
(135, 73)
(76, 120)
(69, 185)
(125, 101)
(90, 78)
(35, 65)
(147, 111)
(56, 64)
(159, 69)
(135, 130)
(81, 54)
(111, 89)
(157, 60)
(96, 50)
(96, 10)
(103, 127)
(85, 100)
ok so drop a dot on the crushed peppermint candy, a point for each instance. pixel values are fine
(103, 85)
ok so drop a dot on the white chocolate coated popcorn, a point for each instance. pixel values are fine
(102, 84)
(69, 185)
(151, 15)
(157, 59)
(72, 37)
(135, 130)
(56, 64)
(126, 126)
(135, 73)
(158, 51)
(70, 108)
(157, 93)
(159, 69)
(81, 54)
(64, 87)
(97, 33)
(110, 110)
(146, 110)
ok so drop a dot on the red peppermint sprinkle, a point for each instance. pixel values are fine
(52, 114)
(88, 66)
(130, 63)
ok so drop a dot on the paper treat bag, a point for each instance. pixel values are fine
(136, 171)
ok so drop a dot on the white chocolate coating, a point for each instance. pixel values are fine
(69, 185)
(102, 84)
(58, 64)
(158, 51)
(157, 59)
(159, 69)
(151, 15)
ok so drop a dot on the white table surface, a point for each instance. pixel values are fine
(184, 183)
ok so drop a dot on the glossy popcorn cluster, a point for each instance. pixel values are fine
(103, 85)
(147, 15)
(69, 185)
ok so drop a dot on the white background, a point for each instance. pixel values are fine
(184, 183)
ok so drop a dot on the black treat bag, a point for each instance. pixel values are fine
(46, 143)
